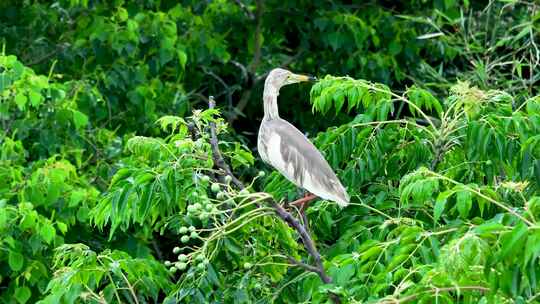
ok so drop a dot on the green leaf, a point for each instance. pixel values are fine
(440, 204)
(79, 119)
(145, 201)
(15, 260)
(35, 98)
(344, 274)
(47, 232)
(464, 202)
(20, 100)
(182, 58)
(76, 197)
(62, 227)
(513, 241)
(532, 247)
(489, 227)
(22, 294)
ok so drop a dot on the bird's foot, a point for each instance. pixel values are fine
(303, 204)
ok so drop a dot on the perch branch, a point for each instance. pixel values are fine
(216, 153)
(287, 217)
(303, 265)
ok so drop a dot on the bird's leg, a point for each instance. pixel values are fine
(303, 203)
(304, 200)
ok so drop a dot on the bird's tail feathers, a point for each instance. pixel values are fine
(342, 197)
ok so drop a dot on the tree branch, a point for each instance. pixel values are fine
(257, 50)
(308, 242)
(216, 153)
(51, 54)
(303, 265)
(287, 217)
(248, 13)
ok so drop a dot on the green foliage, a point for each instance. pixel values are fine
(82, 274)
(110, 191)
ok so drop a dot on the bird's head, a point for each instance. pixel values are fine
(280, 77)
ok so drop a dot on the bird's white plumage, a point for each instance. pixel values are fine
(277, 160)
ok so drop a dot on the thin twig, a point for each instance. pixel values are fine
(157, 250)
(47, 56)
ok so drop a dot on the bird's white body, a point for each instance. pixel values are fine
(284, 147)
(274, 157)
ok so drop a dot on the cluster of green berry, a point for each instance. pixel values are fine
(202, 211)
(204, 207)
(185, 230)
(183, 259)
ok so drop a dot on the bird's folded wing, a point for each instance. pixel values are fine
(292, 154)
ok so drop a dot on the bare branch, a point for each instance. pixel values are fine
(246, 95)
(51, 54)
(216, 153)
(308, 242)
(248, 13)
(303, 265)
(257, 52)
(228, 89)
(242, 69)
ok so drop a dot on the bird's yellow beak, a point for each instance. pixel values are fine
(301, 78)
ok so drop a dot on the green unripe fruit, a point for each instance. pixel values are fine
(168, 263)
(184, 239)
(176, 250)
(181, 266)
(220, 195)
(208, 207)
(228, 179)
(215, 188)
(203, 216)
(248, 265)
(194, 235)
(172, 269)
(197, 206)
(182, 258)
(191, 208)
(183, 230)
(200, 258)
(261, 174)
(191, 229)
(205, 178)
(201, 266)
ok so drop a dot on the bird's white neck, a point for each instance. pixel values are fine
(270, 96)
